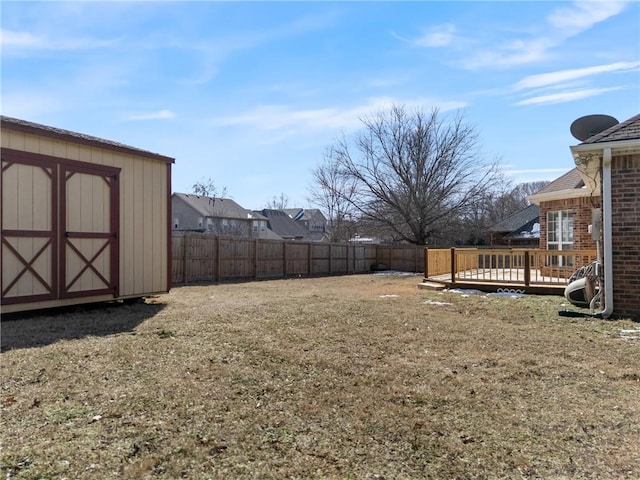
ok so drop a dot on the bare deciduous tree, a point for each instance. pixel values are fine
(207, 188)
(332, 192)
(278, 202)
(501, 201)
(411, 173)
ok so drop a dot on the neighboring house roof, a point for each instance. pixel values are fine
(317, 237)
(569, 185)
(269, 234)
(282, 224)
(515, 222)
(67, 135)
(216, 207)
(627, 130)
(295, 213)
(571, 179)
(303, 213)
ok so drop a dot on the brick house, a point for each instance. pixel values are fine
(566, 209)
(603, 188)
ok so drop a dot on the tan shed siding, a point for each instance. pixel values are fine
(143, 224)
(625, 199)
(143, 207)
(26, 206)
(160, 239)
(14, 140)
(135, 237)
(127, 231)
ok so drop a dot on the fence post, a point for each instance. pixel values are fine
(310, 259)
(527, 269)
(453, 265)
(218, 256)
(284, 259)
(255, 259)
(184, 257)
(330, 259)
(426, 262)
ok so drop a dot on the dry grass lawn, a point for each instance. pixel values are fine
(343, 378)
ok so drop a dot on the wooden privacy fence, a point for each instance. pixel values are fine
(512, 265)
(206, 258)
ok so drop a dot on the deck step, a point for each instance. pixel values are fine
(431, 285)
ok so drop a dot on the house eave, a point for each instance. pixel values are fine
(618, 147)
(561, 195)
(588, 157)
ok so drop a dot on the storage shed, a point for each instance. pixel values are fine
(83, 219)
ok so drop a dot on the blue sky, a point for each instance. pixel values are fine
(251, 93)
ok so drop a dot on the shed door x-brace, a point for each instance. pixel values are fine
(60, 221)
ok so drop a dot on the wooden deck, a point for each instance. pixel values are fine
(535, 271)
(441, 282)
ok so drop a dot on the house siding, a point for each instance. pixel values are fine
(625, 215)
(190, 219)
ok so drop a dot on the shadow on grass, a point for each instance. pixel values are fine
(36, 329)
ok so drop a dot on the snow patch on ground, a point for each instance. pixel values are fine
(502, 292)
(432, 302)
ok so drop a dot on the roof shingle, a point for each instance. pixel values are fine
(519, 219)
(570, 180)
(216, 207)
(627, 130)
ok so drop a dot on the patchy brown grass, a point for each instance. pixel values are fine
(345, 377)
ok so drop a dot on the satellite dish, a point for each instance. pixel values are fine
(590, 125)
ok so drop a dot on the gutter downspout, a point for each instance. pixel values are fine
(607, 234)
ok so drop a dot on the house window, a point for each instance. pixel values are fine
(176, 223)
(560, 236)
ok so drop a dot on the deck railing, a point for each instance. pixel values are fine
(513, 266)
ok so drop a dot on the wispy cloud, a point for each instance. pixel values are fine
(568, 96)
(511, 54)
(551, 78)
(534, 174)
(213, 52)
(159, 115)
(563, 23)
(13, 42)
(582, 15)
(524, 171)
(283, 117)
(29, 104)
(438, 36)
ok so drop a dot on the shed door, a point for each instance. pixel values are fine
(29, 229)
(89, 220)
(59, 222)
